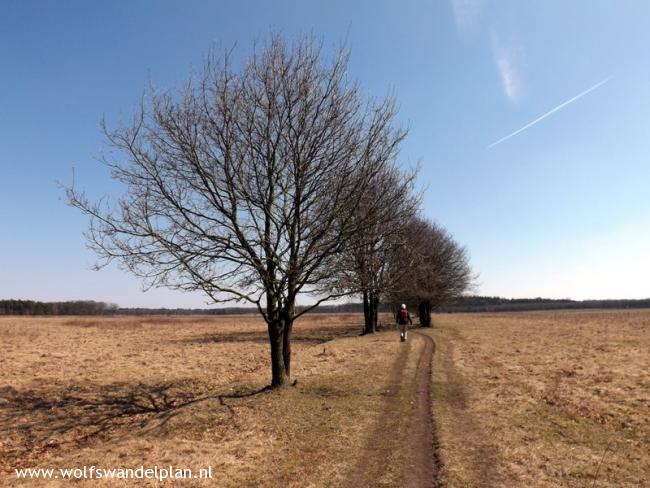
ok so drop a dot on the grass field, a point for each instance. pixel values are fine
(544, 399)
(535, 399)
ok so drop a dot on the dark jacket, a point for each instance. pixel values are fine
(401, 318)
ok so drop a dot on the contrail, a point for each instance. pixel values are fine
(552, 111)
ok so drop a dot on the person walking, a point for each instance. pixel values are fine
(403, 319)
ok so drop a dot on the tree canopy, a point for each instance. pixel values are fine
(242, 186)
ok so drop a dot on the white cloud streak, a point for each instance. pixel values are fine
(550, 112)
(508, 57)
(509, 77)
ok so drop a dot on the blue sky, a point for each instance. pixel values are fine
(561, 209)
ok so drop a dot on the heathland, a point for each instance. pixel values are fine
(510, 399)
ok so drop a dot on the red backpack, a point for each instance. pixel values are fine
(403, 316)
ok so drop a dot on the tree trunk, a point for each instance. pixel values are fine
(279, 372)
(369, 320)
(375, 311)
(286, 339)
(280, 324)
(424, 311)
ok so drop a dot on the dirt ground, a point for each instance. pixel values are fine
(529, 399)
(548, 399)
(189, 392)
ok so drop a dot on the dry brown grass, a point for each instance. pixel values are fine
(187, 391)
(543, 399)
(531, 399)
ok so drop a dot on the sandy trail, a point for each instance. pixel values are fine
(421, 469)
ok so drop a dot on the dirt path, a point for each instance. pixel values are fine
(368, 469)
(422, 462)
(423, 470)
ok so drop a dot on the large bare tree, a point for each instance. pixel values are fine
(439, 269)
(241, 185)
(375, 261)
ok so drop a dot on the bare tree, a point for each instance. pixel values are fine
(374, 261)
(440, 270)
(240, 186)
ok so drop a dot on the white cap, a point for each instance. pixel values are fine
(403, 306)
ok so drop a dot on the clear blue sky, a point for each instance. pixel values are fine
(561, 209)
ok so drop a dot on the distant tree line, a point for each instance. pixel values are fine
(498, 304)
(90, 307)
(467, 304)
(77, 307)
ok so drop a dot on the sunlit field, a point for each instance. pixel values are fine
(543, 399)
(188, 392)
(526, 399)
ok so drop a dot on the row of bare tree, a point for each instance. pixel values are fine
(403, 258)
(266, 181)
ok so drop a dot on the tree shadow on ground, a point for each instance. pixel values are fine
(310, 336)
(35, 421)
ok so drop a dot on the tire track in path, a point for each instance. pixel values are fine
(422, 463)
(369, 466)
